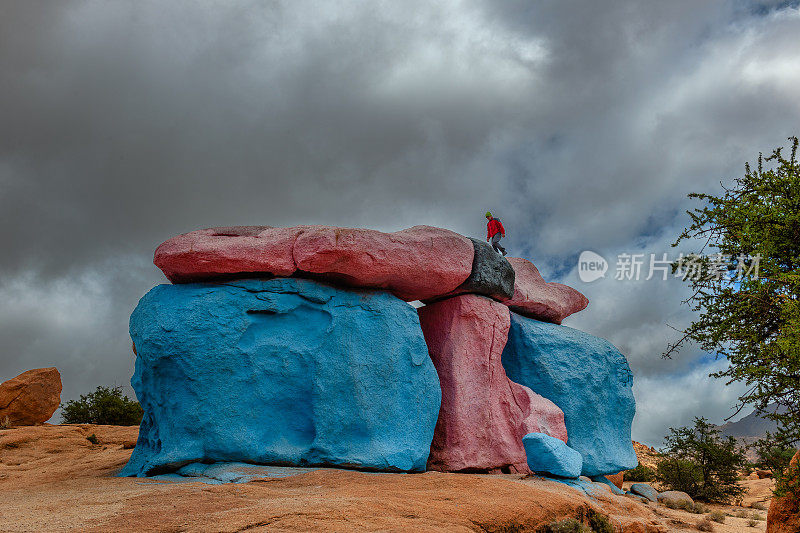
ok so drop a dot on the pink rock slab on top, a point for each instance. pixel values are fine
(536, 298)
(416, 263)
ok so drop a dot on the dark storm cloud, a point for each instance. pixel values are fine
(583, 124)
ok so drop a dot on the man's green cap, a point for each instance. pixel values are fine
(488, 213)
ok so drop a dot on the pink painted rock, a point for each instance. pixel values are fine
(484, 415)
(416, 263)
(30, 398)
(536, 298)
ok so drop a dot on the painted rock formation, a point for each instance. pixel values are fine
(588, 379)
(536, 298)
(552, 456)
(30, 398)
(418, 263)
(282, 371)
(484, 415)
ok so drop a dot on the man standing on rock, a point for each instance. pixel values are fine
(494, 231)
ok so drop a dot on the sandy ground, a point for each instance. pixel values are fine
(53, 479)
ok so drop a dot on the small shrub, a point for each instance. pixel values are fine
(5, 423)
(741, 514)
(758, 505)
(756, 516)
(678, 504)
(705, 525)
(641, 474)
(717, 516)
(567, 525)
(599, 523)
(93, 439)
(752, 523)
(697, 508)
(106, 405)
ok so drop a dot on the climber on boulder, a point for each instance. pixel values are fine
(494, 231)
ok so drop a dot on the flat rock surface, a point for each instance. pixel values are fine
(52, 479)
(417, 263)
(536, 298)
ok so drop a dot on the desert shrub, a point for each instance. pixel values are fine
(697, 508)
(717, 516)
(756, 516)
(5, 423)
(567, 525)
(599, 523)
(705, 525)
(758, 505)
(641, 473)
(752, 523)
(701, 463)
(741, 514)
(678, 504)
(93, 439)
(106, 405)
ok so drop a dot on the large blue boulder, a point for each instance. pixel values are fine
(284, 372)
(549, 455)
(587, 378)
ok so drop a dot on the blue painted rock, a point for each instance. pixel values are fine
(550, 455)
(282, 371)
(645, 490)
(587, 378)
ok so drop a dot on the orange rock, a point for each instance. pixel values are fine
(30, 398)
(784, 512)
(616, 479)
(763, 474)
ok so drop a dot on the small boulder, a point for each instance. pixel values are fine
(645, 490)
(30, 398)
(616, 479)
(764, 474)
(784, 512)
(492, 275)
(484, 415)
(675, 498)
(549, 455)
(536, 298)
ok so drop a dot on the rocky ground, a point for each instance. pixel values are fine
(53, 479)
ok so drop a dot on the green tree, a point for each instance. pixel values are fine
(701, 463)
(106, 405)
(746, 291)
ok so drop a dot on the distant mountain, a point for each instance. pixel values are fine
(750, 427)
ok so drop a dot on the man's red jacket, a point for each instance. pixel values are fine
(493, 227)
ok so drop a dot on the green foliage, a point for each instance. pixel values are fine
(93, 439)
(641, 473)
(752, 523)
(789, 481)
(701, 463)
(717, 516)
(599, 522)
(753, 322)
(106, 405)
(773, 454)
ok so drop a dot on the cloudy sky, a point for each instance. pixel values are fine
(582, 124)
